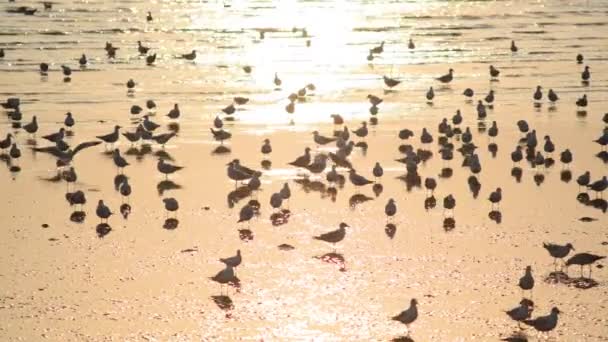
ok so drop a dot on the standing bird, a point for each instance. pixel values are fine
(496, 197)
(83, 60)
(125, 188)
(119, 161)
(246, 213)
(276, 200)
(266, 148)
(189, 56)
(110, 138)
(584, 179)
(558, 251)
(481, 110)
(321, 140)
(377, 171)
(490, 98)
(303, 160)
(356, 179)
(408, 316)
(225, 276)
(150, 59)
(102, 211)
(552, 96)
(174, 113)
(171, 204)
(468, 92)
(566, 157)
(538, 94)
(141, 48)
(544, 323)
(586, 74)
(233, 261)
(31, 127)
(527, 281)
(277, 81)
(582, 101)
(390, 209)
(410, 44)
(362, 131)
(513, 46)
(494, 72)
(521, 312)
(493, 130)
(430, 94)
(149, 17)
(378, 49)
(549, 147)
(151, 105)
(334, 236)
(449, 203)
(447, 78)
(579, 58)
(148, 124)
(583, 259)
(285, 192)
(430, 184)
(390, 82)
(167, 168)
(374, 100)
(130, 84)
(517, 155)
(67, 71)
(599, 186)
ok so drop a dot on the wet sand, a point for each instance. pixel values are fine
(144, 282)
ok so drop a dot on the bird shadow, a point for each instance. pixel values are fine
(286, 247)
(390, 230)
(402, 339)
(166, 185)
(125, 210)
(603, 155)
(539, 179)
(516, 337)
(411, 180)
(565, 176)
(357, 199)
(496, 216)
(173, 127)
(560, 277)
(308, 185)
(102, 230)
(162, 154)
(246, 235)
(449, 223)
(377, 189)
(223, 302)
(238, 194)
(266, 164)
(446, 172)
(280, 218)
(55, 179)
(221, 150)
(78, 216)
(140, 152)
(517, 173)
(171, 224)
(493, 148)
(334, 259)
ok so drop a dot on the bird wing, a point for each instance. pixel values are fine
(84, 145)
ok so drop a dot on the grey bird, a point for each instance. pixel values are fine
(318, 165)
(31, 127)
(125, 188)
(150, 104)
(430, 94)
(69, 120)
(266, 147)
(54, 137)
(481, 110)
(217, 122)
(362, 131)
(494, 72)
(225, 276)
(490, 98)
(14, 152)
(276, 200)
(566, 157)
(148, 124)
(521, 312)
(357, 180)
(164, 138)
(102, 211)
(495, 197)
(374, 100)
(544, 323)
(583, 259)
(220, 135)
(175, 112)
(584, 179)
(334, 236)
(171, 204)
(189, 56)
(552, 96)
(233, 261)
(558, 251)
(390, 209)
(408, 316)
(447, 78)
(599, 186)
(377, 171)
(285, 192)
(302, 161)
(538, 94)
(110, 138)
(246, 213)
(119, 161)
(586, 74)
(513, 46)
(468, 92)
(527, 281)
(321, 140)
(517, 155)
(166, 168)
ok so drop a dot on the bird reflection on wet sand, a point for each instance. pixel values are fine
(334, 259)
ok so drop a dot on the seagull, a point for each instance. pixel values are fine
(481, 110)
(544, 323)
(149, 17)
(356, 179)
(150, 59)
(513, 46)
(449, 202)
(237, 172)
(135, 109)
(378, 49)
(337, 118)
(217, 122)
(377, 171)
(410, 44)
(44, 68)
(521, 312)
(233, 261)
(334, 236)
(246, 213)
(229, 110)
(266, 148)
(83, 60)
(391, 82)
(31, 127)
(303, 160)
(224, 276)
(151, 105)
(1, 53)
(447, 78)
(430, 184)
(133, 137)
(599, 186)
(493, 130)
(583, 259)
(586, 75)
(110, 138)
(517, 155)
(494, 72)
(495, 197)
(148, 124)
(77, 197)
(68, 155)
(174, 113)
(142, 49)
(527, 281)
(362, 131)
(430, 94)
(374, 100)
(54, 137)
(130, 84)
(164, 138)
(277, 81)
(552, 96)
(276, 200)
(523, 127)
(558, 251)
(579, 58)
(426, 137)
(66, 70)
(14, 152)
(582, 101)
(468, 92)
(408, 316)
(584, 179)
(490, 97)
(538, 94)
(390, 209)
(240, 100)
(457, 118)
(167, 168)
(189, 56)
(171, 204)
(102, 211)
(318, 165)
(549, 147)
(285, 192)
(125, 188)
(321, 140)
(220, 135)
(119, 161)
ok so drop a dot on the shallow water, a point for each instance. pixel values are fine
(144, 282)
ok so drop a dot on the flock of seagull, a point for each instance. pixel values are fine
(330, 165)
